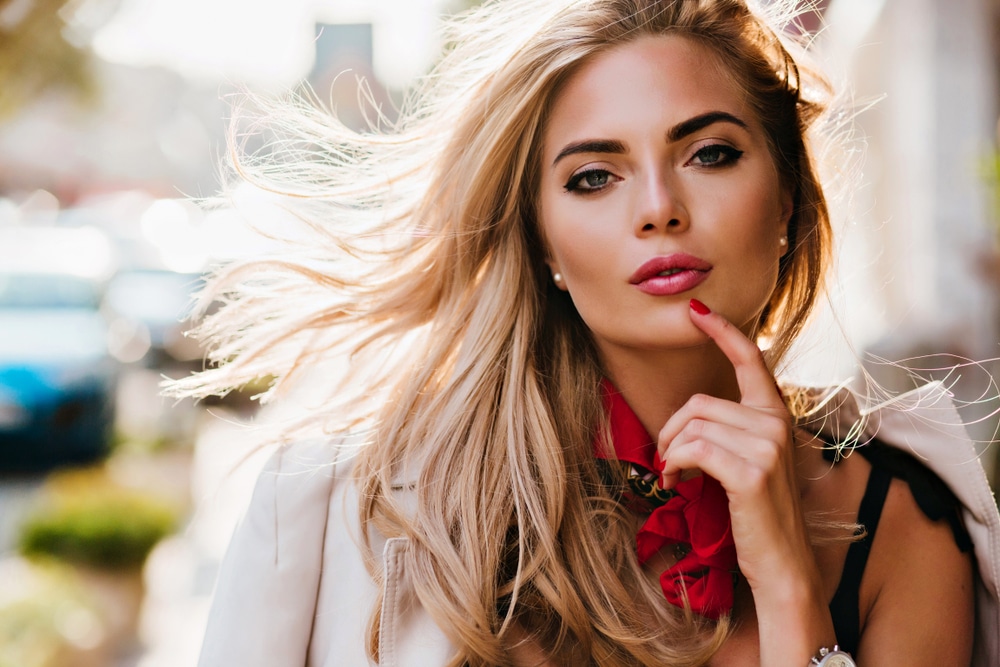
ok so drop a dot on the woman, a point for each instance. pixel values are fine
(567, 447)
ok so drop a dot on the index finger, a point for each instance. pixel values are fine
(757, 385)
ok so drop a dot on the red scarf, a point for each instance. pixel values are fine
(692, 517)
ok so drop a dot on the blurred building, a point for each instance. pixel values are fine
(344, 76)
(917, 226)
(916, 220)
(147, 129)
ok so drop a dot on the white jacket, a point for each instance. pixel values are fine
(293, 590)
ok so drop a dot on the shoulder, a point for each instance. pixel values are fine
(266, 591)
(918, 583)
(920, 554)
(292, 495)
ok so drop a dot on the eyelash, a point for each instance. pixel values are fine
(728, 155)
(573, 184)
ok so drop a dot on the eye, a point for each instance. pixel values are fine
(590, 180)
(715, 155)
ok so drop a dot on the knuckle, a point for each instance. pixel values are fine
(755, 480)
(775, 429)
(753, 356)
(699, 401)
(694, 428)
(770, 458)
(701, 447)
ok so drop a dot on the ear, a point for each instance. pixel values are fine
(787, 209)
(556, 273)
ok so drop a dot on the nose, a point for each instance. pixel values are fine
(660, 206)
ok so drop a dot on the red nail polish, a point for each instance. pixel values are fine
(699, 307)
(659, 482)
(657, 463)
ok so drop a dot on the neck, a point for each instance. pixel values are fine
(657, 384)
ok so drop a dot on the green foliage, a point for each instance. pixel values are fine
(91, 521)
(990, 173)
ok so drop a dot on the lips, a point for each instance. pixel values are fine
(670, 274)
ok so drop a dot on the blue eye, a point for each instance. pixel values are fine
(589, 180)
(716, 155)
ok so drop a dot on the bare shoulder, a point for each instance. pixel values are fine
(917, 593)
(917, 601)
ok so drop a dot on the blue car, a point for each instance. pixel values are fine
(57, 379)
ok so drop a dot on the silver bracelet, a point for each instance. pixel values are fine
(834, 657)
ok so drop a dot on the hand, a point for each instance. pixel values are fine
(749, 448)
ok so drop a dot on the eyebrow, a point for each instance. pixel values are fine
(591, 146)
(675, 133)
(692, 125)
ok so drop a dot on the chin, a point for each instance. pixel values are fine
(666, 338)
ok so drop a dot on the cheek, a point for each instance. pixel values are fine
(576, 241)
(581, 248)
(573, 252)
(760, 207)
(757, 275)
(750, 251)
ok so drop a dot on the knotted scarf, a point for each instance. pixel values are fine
(692, 518)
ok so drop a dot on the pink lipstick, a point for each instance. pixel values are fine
(670, 274)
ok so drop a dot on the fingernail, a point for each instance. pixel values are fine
(699, 307)
(657, 463)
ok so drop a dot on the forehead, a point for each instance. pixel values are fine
(652, 81)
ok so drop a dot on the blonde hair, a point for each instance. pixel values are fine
(425, 270)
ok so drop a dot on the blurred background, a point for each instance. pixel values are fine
(116, 505)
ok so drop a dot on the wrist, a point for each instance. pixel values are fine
(827, 657)
(793, 620)
(790, 596)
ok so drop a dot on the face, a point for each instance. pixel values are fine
(657, 187)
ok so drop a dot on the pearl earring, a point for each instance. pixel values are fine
(783, 241)
(557, 278)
